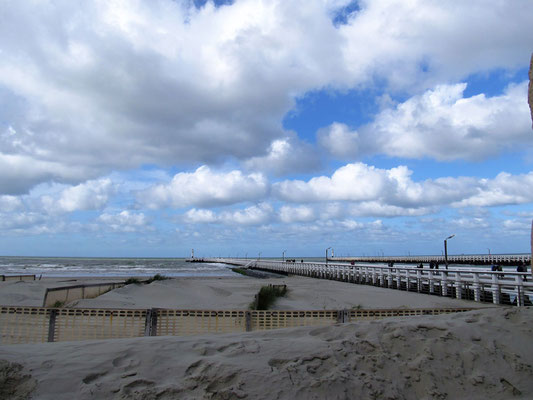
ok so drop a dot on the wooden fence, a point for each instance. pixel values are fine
(39, 324)
(64, 294)
(17, 278)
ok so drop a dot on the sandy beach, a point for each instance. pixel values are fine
(475, 355)
(234, 293)
(480, 354)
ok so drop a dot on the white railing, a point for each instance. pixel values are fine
(498, 287)
(473, 259)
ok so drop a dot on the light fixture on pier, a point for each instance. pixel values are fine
(327, 255)
(446, 249)
(284, 251)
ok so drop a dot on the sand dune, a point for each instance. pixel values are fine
(237, 293)
(476, 355)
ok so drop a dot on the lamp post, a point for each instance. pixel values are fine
(259, 255)
(327, 255)
(446, 249)
(284, 251)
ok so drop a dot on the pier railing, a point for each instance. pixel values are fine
(469, 259)
(497, 287)
(39, 324)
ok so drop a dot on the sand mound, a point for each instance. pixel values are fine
(476, 355)
(14, 383)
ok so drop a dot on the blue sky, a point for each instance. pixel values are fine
(147, 128)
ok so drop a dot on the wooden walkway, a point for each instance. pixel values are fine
(477, 284)
(493, 259)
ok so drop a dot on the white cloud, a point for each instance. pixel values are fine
(470, 223)
(284, 156)
(91, 195)
(254, 215)
(26, 220)
(200, 216)
(440, 124)
(339, 140)
(289, 214)
(125, 221)
(444, 125)
(517, 225)
(19, 172)
(206, 188)
(503, 189)
(378, 209)
(418, 42)
(10, 203)
(375, 190)
(136, 83)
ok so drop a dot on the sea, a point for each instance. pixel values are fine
(53, 267)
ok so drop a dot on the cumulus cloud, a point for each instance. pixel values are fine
(254, 215)
(289, 214)
(441, 124)
(20, 221)
(125, 221)
(422, 42)
(444, 125)
(10, 203)
(285, 156)
(378, 189)
(91, 195)
(339, 140)
(205, 188)
(88, 87)
(504, 189)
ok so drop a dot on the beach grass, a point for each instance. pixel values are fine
(267, 296)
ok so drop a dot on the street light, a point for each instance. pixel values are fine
(284, 251)
(446, 249)
(260, 255)
(327, 255)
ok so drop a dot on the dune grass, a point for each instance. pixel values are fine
(267, 296)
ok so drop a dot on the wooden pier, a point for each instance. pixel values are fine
(477, 284)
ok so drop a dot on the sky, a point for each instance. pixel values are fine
(375, 127)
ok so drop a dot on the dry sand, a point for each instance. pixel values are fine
(485, 354)
(31, 293)
(232, 294)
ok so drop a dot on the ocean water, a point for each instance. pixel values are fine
(93, 267)
(125, 267)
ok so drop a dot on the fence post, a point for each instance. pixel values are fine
(150, 324)
(52, 324)
(248, 320)
(343, 316)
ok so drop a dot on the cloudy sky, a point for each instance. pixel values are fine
(147, 128)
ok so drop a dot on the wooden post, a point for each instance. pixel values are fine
(248, 320)
(52, 325)
(150, 324)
